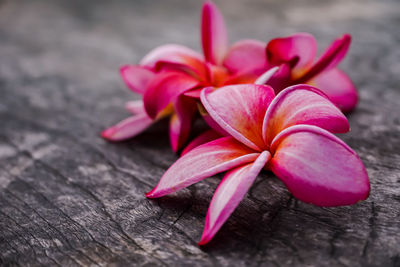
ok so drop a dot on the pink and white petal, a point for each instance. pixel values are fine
(170, 52)
(240, 110)
(266, 76)
(135, 106)
(246, 55)
(318, 168)
(137, 78)
(128, 128)
(164, 89)
(202, 162)
(302, 104)
(213, 34)
(202, 138)
(300, 48)
(211, 122)
(229, 193)
(181, 121)
(329, 59)
(338, 87)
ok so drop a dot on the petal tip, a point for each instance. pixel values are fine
(122, 71)
(123, 68)
(108, 133)
(347, 37)
(204, 240)
(151, 194)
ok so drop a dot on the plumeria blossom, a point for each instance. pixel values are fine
(296, 57)
(171, 77)
(147, 80)
(290, 135)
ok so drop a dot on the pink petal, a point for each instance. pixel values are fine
(202, 162)
(329, 60)
(213, 34)
(338, 87)
(193, 67)
(135, 106)
(164, 88)
(240, 110)
(195, 93)
(298, 48)
(302, 104)
(181, 121)
(176, 57)
(246, 55)
(217, 75)
(242, 78)
(170, 52)
(229, 193)
(264, 78)
(137, 78)
(211, 122)
(128, 128)
(277, 77)
(202, 138)
(281, 78)
(318, 168)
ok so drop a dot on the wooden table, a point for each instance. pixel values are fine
(67, 197)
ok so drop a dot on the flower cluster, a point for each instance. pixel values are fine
(265, 112)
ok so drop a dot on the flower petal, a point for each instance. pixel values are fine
(128, 128)
(300, 48)
(229, 193)
(176, 57)
(211, 122)
(278, 77)
(137, 78)
(318, 168)
(202, 162)
(248, 55)
(135, 106)
(193, 67)
(195, 93)
(202, 138)
(264, 78)
(164, 88)
(281, 78)
(181, 121)
(329, 60)
(217, 75)
(213, 34)
(240, 110)
(170, 52)
(241, 78)
(302, 104)
(338, 87)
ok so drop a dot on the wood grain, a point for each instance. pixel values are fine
(69, 198)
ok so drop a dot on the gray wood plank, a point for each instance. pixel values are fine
(67, 197)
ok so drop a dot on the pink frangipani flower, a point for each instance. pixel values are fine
(290, 135)
(172, 74)
(179, 108)
(296, 55)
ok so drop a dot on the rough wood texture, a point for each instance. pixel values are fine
(69, 198)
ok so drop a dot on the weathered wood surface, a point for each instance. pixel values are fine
(69, 198)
